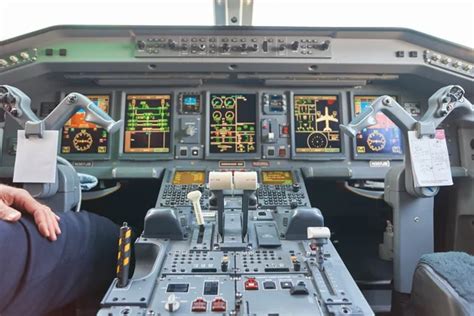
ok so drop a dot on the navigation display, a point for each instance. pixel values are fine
(232, 124)
(189, 177)
(277, 177)
(317, 120)
(81, 137)
(383, 138)
(147, 124)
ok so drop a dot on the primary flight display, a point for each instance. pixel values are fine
(382, 138)
(81, 137)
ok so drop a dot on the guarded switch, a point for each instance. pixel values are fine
(251, 284)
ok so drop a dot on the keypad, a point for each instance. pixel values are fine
(279, 195)
(177, 195)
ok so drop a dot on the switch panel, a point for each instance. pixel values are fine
(233, 46)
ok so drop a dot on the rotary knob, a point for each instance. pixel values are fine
(172, 44)
(190, 130)
(324, 45)
(141, 45)
(296, 187)
(295, 45)
(225, 47)
(253, 48)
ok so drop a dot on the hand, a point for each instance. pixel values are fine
(13, 201)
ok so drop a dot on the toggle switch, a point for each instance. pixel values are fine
(172, 303)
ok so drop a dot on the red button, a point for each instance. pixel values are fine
(282, 152)
(251, 284)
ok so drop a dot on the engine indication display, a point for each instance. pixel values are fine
(147, 124)
(277, 177)
(383, 138)
(81, 137)
(317, 120)
(232, 124)
(189, 177)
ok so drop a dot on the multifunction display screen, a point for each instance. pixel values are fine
(147, 124)
(383, 138)
(277, 177)
(189, 103)
(317, 120)
(232, 124)
(189, 177)
(81, 137)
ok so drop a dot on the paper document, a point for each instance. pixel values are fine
(35, 160)
(430, 160)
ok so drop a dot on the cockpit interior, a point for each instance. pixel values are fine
(252, 170)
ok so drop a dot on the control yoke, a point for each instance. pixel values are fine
(440, 105)
(17, 105)
(386, 105)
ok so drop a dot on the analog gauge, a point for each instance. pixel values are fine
(229, 103)
(376, 141)
(317, 140)
(82, 141)
(216, 102)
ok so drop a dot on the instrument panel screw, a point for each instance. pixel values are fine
(416, 219)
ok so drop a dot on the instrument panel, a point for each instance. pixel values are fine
(260, 98)
(245, 124)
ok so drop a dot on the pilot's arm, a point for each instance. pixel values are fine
(46, 261)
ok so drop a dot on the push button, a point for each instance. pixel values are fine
(269, 285)
(286, 284)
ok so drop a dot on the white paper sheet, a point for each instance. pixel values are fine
(430, 160)
(35, 160)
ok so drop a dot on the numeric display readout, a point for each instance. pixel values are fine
(81, 137)
(189, 177)
(277, 177)
(382, 138)
(147, 124)
(317, 120)
(232, 125)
